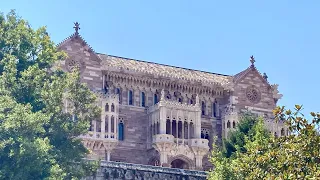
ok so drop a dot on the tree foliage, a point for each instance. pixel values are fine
(38, 139)
(295, 156)
(236, 138)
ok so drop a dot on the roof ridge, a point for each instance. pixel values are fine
(75, 35)
(166, 65)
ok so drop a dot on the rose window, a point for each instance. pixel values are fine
(253, 95)
(73, 64)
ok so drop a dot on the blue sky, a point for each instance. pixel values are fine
(215, 36)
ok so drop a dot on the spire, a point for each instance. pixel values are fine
(252, 60)
(76, 27)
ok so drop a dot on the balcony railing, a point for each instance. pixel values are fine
(99, 135)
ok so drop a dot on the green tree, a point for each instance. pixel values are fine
(296, 156)
(38, 139)
(236, 138)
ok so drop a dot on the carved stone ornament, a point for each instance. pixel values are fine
(253, 94)
(73, 64)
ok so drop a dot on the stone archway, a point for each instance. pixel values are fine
(154, 161)
(181, 162)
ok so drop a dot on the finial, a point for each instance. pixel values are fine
(197, 99)
(76, 27)
(265, 76)
(162, 94)
(252, 60)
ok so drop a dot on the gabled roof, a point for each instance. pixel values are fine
(240, 75)
(164, 70)
(78, 36)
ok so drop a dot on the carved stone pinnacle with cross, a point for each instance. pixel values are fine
(76, 27)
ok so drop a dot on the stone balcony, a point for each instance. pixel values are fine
(201, 143)
(99, 136)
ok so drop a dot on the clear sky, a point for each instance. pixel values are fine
(208, 35)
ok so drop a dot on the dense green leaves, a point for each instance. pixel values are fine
(296, 156)
(38, 137)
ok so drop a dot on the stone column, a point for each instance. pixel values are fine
(162, 120)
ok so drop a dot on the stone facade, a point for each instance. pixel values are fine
(161, 115)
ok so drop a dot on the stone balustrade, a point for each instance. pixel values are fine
(100, 136)
(201, 143)
(163, 138)
(120, 170)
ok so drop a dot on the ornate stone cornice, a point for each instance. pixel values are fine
(152, 82)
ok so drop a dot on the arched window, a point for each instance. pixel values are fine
(112, 107)
(180, 100)
(206, 136)
(130, 97)
(228, 124)
(234, 124)
(121, 131)
(106, 108)
(282, 132)
(91, 126)
(112, 124)
(214, 109)
(118, 91)
(202, 135)
(203, 108)
(98, 125)
(106, 88)
(191, 101)
(143, 99)
(155, 98)
(106, 125)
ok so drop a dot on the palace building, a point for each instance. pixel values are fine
(161, 115)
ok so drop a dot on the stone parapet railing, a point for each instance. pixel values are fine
(120, 170)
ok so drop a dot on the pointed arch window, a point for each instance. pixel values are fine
(214, 109)
(202, 135)
(106, 124)
(112, 124)
(206, 136)
(91, 128)
(203, 108)
(120, 131)
(228, 124)
(282, 132)
(155, 98)
(130, 97)
(112, 107)
(118, 91)
(234, 124)
(98, 126)
(143, 99)
(106, 88)
(106, 108)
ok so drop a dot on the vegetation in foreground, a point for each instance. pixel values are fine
(38, 140)
(262, 156)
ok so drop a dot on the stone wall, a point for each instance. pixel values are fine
(117, 170)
